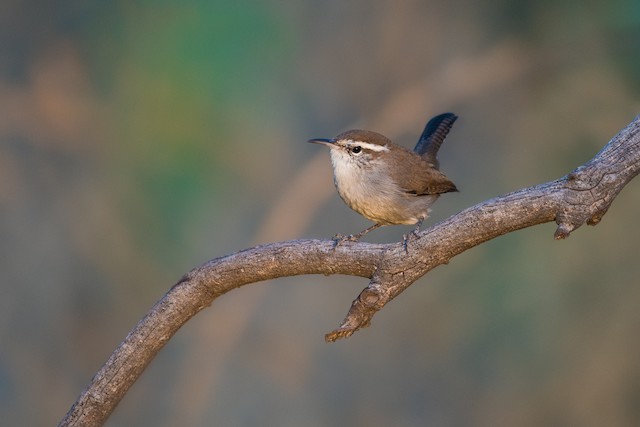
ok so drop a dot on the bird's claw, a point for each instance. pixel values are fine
(413, 235)
(339, 239)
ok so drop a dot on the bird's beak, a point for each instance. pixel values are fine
(324, 141)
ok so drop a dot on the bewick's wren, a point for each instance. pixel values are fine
(385, 182)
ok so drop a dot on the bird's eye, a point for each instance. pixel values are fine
(356, 150)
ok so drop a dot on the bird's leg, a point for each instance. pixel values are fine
(418, 225)
(405, 237)
(339, 238)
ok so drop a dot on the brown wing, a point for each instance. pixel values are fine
(437, 183)
(417, 176)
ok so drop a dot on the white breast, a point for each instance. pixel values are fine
(369, 192)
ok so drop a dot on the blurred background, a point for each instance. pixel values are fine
(140, 139)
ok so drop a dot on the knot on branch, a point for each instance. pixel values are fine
(588, 194)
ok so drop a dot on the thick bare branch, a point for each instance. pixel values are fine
(582, 196)
(197, 290)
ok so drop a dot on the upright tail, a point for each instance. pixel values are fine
(433, 136)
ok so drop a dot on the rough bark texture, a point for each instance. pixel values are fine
(582, 196)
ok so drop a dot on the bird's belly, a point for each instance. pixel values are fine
(384, 204)
(396, 210)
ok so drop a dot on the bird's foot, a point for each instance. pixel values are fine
(406, 238)
(339, 239)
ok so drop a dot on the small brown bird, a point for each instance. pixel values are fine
(385, 182)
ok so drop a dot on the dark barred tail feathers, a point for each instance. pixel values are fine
(433, 136)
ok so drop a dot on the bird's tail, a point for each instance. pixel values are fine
(433, 136)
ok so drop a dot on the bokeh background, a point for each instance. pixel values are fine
(140, 139)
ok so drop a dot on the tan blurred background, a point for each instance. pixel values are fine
(140, 139)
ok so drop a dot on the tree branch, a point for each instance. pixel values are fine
(582, 196)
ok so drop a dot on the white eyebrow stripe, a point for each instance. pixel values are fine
(367, 145)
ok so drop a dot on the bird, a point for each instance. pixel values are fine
(386, 182)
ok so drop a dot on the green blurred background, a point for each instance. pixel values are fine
(140, 139)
